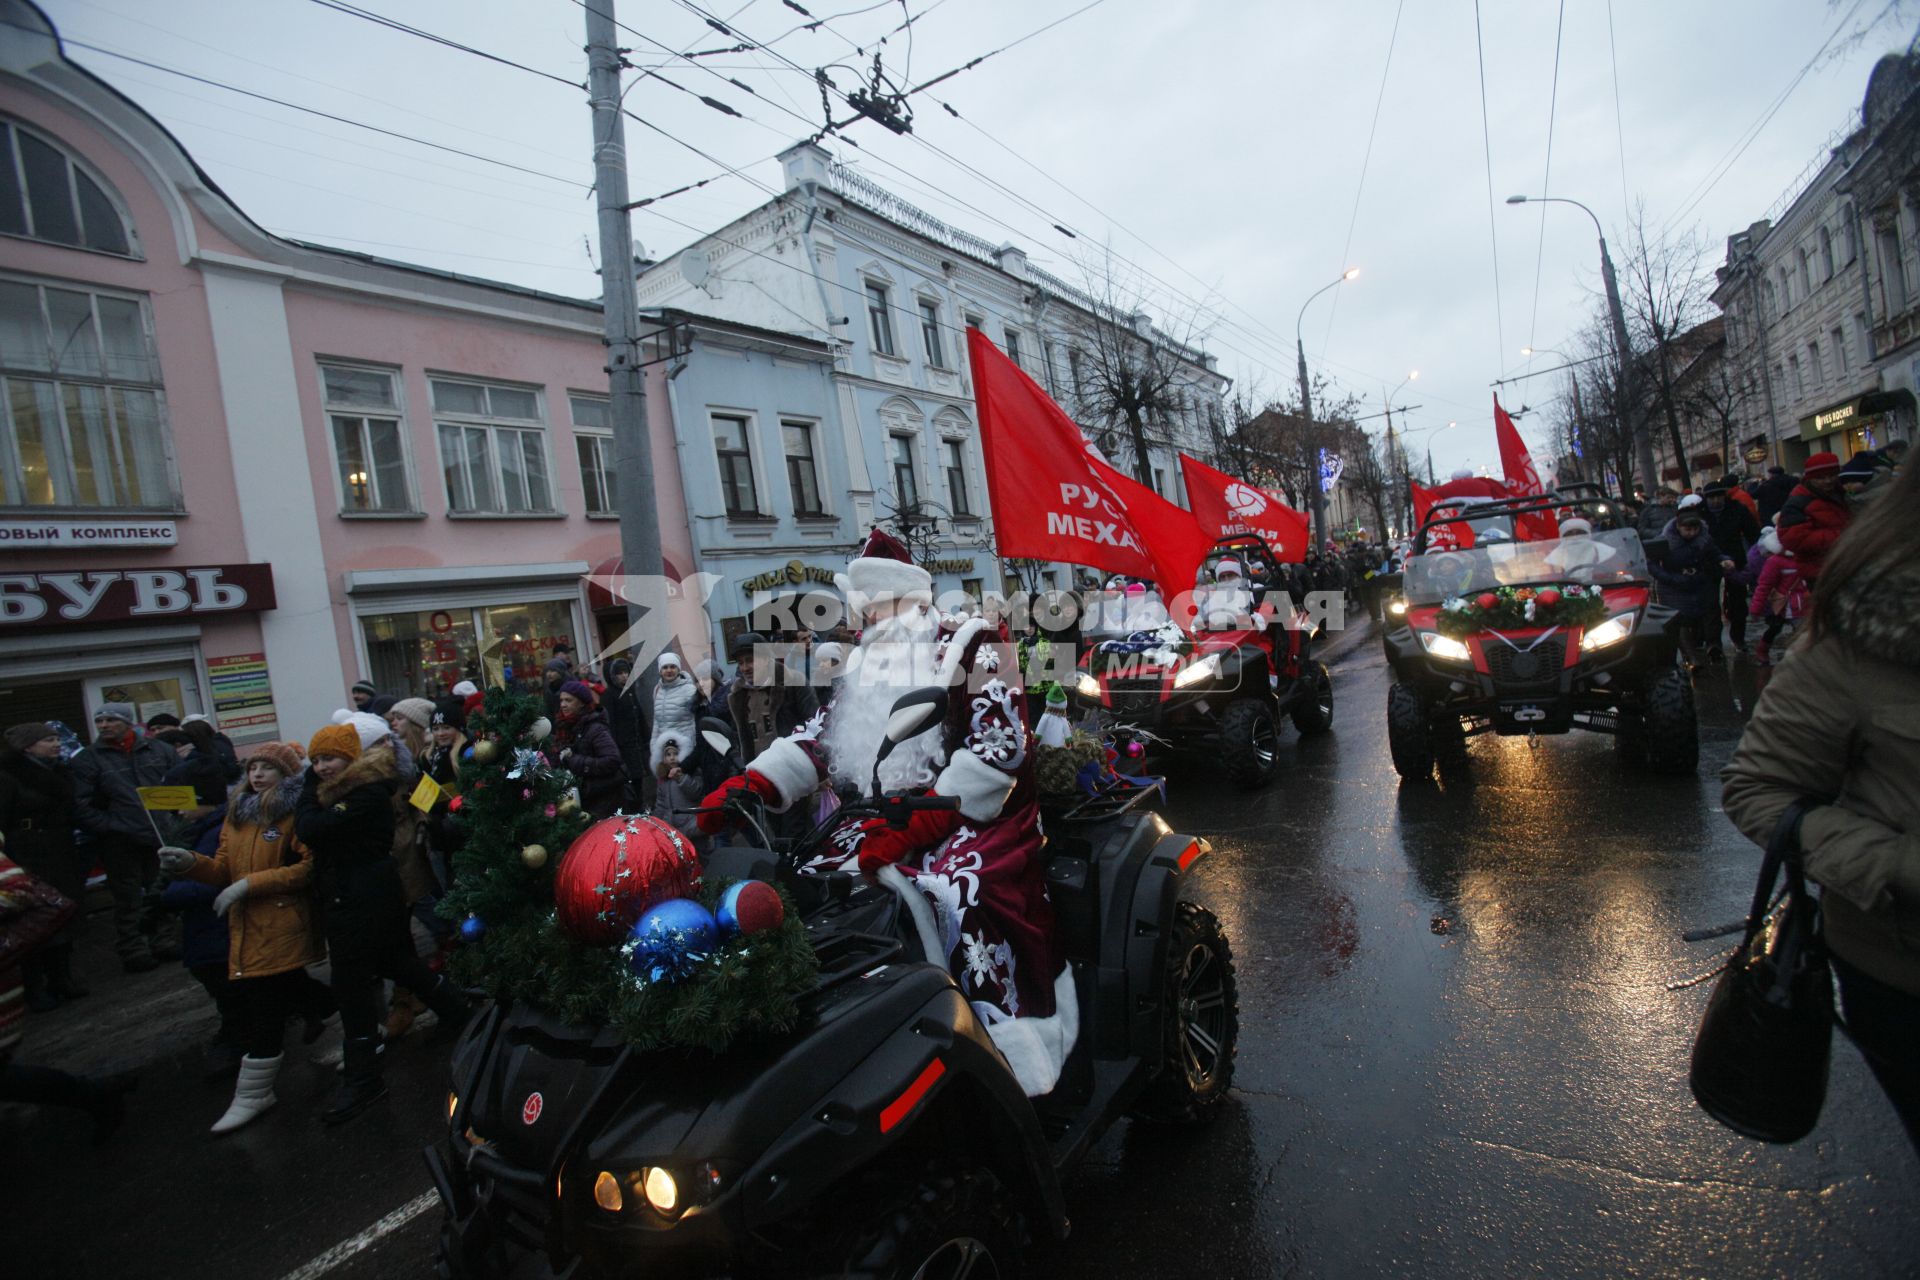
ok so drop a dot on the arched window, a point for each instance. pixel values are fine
(47, 195)
(1826, 255)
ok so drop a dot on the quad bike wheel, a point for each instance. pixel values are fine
(1669, 732)
(1251, 735)
(1202, 1024)
(1314, 713)
(951, 1224)
(1449, 742)
(1408, 736)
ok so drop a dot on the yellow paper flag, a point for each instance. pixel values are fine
(425, 795)
(174, 798)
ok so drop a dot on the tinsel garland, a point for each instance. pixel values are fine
(1567, 605)
(753, 985)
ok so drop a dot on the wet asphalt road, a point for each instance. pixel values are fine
(1458, 1056)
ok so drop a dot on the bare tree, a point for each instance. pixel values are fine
(1133, 379)
(1373, 473)
(1664, 290)
(1286, 448)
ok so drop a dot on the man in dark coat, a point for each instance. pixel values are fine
(763, 701)
(1773, 494)
(1734, 531)
(1815, 516)
(1689, 575)
(36, 819)
(626, 709)
(106, 799)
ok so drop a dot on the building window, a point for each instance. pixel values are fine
(930, 333)
(1160, 481)
(1826, 255)
(46, 196)
(1786, 290)
(593, 444)
(1799, 386)
(803, 474)
(1839, 340)
(906, 489)
(1893, 270)
(1866, 336)
(1013, 344)
(880, 319)
(1849, 245)
(1046, 364)
(732, 451)
(1077, 372)
(369, 452)
(1806, 275)
(956, 451)
(974, 321)
(85, 422)
(1814, 373)
(493, 448)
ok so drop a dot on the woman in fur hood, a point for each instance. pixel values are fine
(264, 876)
(345, 815)
(676, 709)
(1840, 722)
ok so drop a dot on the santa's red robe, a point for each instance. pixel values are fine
(985, 881)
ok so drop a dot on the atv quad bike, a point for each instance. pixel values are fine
(1222, 694)
(885, 1136)
(1593, 652)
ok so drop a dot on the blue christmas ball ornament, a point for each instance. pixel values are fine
(473, 928)
(467, 753)
(671, 940)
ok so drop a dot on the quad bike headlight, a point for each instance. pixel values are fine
(1445, 648)
(663, 1193)
(1398, 607)
(1088, 685)
(1612, 631)
(1198, 672)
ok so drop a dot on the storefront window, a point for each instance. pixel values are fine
(149, 698)
(518, 639)
(421, 654)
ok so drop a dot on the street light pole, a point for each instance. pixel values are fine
(643, 587)
(1636, 431)
(1316, 495)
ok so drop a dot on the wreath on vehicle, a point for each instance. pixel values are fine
(1567, 604)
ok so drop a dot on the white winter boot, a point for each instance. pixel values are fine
(253, 1095)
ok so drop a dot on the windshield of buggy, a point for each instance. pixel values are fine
(1608, 557)
(1115, 613)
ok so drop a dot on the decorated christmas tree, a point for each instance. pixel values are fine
(607, 923)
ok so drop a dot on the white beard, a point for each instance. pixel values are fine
(896, 655)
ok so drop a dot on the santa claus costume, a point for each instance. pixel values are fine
(979, 866)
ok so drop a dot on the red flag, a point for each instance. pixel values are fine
(1054, 500)
(1224, 506)
(1447, 537)
(1522, 479)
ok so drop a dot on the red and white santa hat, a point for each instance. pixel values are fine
(884, 571)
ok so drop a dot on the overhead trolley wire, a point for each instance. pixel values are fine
(1546, 177)
(1486, 138)
(1366, 159)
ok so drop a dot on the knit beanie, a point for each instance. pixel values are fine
(1821, 464)
(418, 710)
(122, 711)
(284, 756)
(22, 736)
(584, 692)
(364, 686)
(335, 740)
(369, 727)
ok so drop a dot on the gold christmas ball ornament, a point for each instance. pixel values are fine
(486, 751)
(534, 855)
(569, 804)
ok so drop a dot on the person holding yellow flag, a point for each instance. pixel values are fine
(107, 778)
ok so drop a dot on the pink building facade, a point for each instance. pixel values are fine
(241, 473)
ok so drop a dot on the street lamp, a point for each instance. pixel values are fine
(1314, 492)
(1642, 444)
(1435, 431)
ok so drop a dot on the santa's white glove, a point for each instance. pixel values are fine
(174, 860)
(230, 895)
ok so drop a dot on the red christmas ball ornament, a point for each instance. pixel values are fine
(615, 870)
(1547, 598)
(750, 907)
(453, 805)
(1487, 600)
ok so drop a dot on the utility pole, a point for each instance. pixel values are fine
(1630, 421)
(645, 588)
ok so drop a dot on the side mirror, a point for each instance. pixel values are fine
(913, 714)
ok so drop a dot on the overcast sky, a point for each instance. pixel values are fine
(1218, 145)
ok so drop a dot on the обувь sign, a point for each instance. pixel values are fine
(65, 597)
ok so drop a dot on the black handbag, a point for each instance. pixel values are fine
(1760, 1058)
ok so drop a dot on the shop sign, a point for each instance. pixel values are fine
(53, 598)
(1828, 421)
(242, 695)
(794, 573)
(34, 534)
(947, 566)
(1755, 454)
